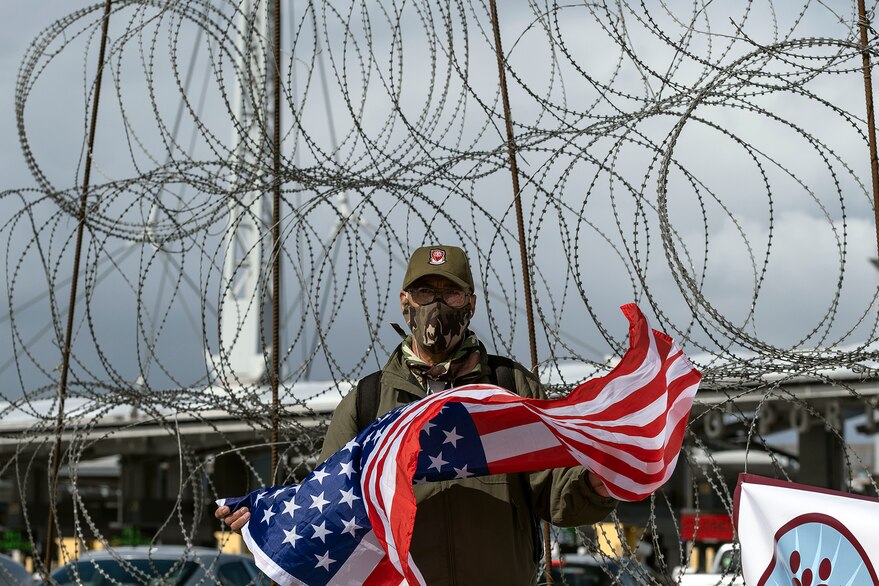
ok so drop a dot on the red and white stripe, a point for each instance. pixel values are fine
(626, 427)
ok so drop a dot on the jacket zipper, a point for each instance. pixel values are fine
(450, 532)
(449, 535)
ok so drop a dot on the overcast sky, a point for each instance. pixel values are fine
(811, 272)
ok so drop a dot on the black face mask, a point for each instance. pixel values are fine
(436, 327)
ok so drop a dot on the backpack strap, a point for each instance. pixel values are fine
(502, 372)
(367, 399)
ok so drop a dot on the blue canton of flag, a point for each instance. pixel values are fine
(318, 532)
(450, 447)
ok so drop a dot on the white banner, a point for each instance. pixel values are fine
(793, 534)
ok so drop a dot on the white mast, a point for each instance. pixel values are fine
(242, 358)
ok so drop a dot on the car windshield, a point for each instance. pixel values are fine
(142, 571)
(729, 562)
(573, 574)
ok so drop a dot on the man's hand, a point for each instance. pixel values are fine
(596, 483)
(236, 520)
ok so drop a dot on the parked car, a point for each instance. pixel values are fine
(596, 570)
(160, 566)
(13, 573)
(726, 560)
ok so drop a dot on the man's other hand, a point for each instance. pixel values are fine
(236, 520)
(596, 483)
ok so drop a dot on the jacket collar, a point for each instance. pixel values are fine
(396, 373)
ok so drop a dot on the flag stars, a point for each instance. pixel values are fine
(324, 561)
(347, 469)
(277, 492)
(348, 497)
(290, 536)
(452, 437)
(259, 497)
(319, 475)
(350, 446)
(318, 502)
(290, 507)
(437, 461)
(351, 526)
(267, 515)
(463, 472)
(427, 427)
(321, 531)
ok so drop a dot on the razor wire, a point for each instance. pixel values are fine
(688, 156)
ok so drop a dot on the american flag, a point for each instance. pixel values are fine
(351, 520)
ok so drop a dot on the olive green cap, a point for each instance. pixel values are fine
(446, 261)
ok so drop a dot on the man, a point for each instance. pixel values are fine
(479, 530)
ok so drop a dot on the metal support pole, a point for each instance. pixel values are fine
(71, 305)
(276, 236)
(871, 123)
(520, 224)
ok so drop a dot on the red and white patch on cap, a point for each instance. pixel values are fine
(437, 256)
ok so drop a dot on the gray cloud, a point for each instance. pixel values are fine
(578, 262)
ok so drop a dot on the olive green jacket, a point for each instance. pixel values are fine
(478, 530)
